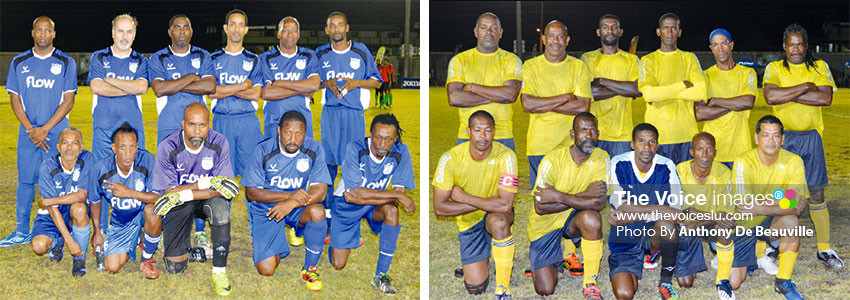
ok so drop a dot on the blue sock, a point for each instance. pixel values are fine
(25, 195)
(200, 224)
(81, 236)
(314, 243)
(388, 241)
(149, 247)
(329, 196)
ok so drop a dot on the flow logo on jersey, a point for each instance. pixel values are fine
(376, 185)
(231, 79)
(286, 182)
(112, 75)
(72, 190)
(124, 203)
(332, 74)
(190, 178)
(288, 76)
(32, 82)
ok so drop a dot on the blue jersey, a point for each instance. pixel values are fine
(362, 169)
(124, 210)
(41, 82)
(176, 165)
(357, 63)
(278, 66)
(624, 176)
(234, 68)
(271, 168)
(167, 65)
(110, 112)
(55, 181)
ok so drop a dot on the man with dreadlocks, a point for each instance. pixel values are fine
(797, 87)
(369, 166)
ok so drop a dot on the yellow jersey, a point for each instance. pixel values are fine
(718, 182)
(613, 114)
(669, 103)
(559, 170)
(752, 177)
(732, 130)
(541, 78)
(481, 179)
(796, 116)
(492, 69)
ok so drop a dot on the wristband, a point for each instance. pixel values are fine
(204, 183)
(186, 195)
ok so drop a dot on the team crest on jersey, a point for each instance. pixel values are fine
(207, 163)
(134, 66)
(196, 63)
(247, 65)
(302, 165)
(76, 175)
(388, 168)
(354, 63)
(56, 69)
(140, 185)
(301, 64)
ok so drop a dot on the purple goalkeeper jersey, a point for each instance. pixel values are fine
(177, 165)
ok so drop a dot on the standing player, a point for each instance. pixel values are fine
(193, 173)
(238, 82)
(485, 78)
(731, 94)
(797, 87)
(570, 192)
(290, 77)
(348, 72)
(372, 165)
(385, 92)
(670, 81)
(118, 76)
(476, 182)
(41, 83)
(63, 185)
(180, 74)
(124, 181)
(614, 85)
(765, 170)
(281, 170)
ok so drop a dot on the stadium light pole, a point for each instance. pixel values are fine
(518, 44)
(407, 49)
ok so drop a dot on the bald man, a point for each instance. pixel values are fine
(193, 172)
(44, 81)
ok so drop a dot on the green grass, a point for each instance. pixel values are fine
(812, 279)
(26, 275)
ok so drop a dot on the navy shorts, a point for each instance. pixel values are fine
(242, 133)
(614, 148)
(689, 259)
(533, 162)
(475, 243)
(269, 236)
(340, 125)
(676, 152)
(30, 156)
(629, 261)
(745, 246)
(123, 239)
(547, 250)
(507, 142)
(809, 146)
(345, 223)
(43, 225)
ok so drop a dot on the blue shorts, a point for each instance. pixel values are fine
(345, 223)
(745, 246)
(340, 125)
(162, 133)
(123, 239)
(629, 261)
(547, 250)
(689, 259)
(43, 225)
(614, 148)
(533, 162)
(101, 140)
(272, 122)
(475, 243)
(242, 133)
(507, 142)
(269, 236)
(30, 156)
(676, 152)
(809, 146)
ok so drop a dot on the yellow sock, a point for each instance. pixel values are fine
(725, 256)
(760, 247)
(592, 251)
(503, 255)
(787, 260)
(569, 247)
(820, 216)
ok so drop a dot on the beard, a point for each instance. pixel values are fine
(612, 42)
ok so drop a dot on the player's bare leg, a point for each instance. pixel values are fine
(624, 285)
(113, 263)
(40, 244)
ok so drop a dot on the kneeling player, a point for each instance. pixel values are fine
(370, 166)
(124, 180)
(570, 191)
(64, 185)
(276, 181)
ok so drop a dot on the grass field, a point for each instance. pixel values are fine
(813, 280)
(25, 275)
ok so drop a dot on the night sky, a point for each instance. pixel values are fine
(755, 25)
(85, 26)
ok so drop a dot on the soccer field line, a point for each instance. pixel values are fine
(837, 115)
